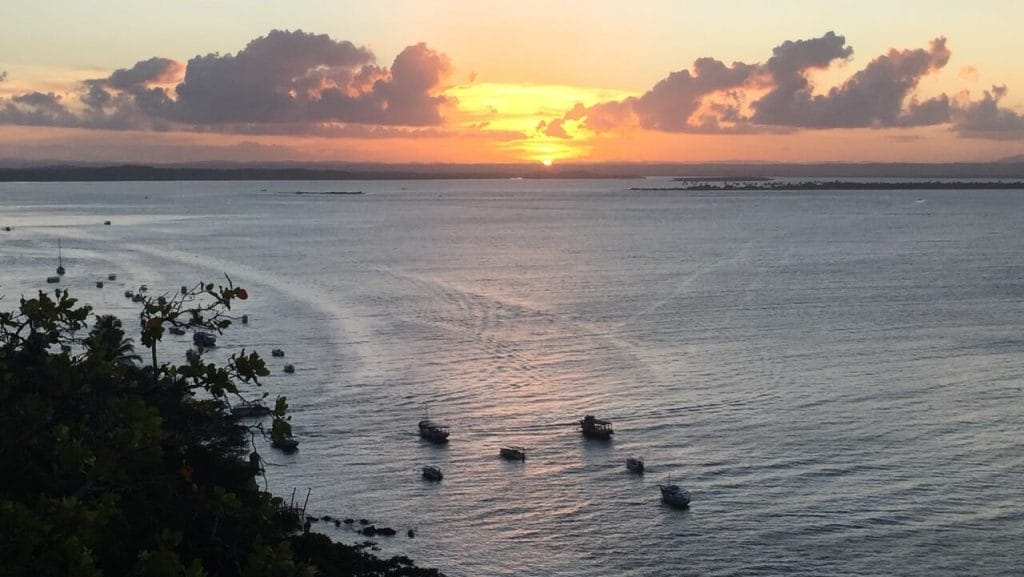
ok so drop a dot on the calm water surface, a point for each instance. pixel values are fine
(836, 377)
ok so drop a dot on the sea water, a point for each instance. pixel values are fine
(835, 376)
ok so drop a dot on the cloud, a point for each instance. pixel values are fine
(872, 97)
(779, 96)
(282, 82)
(986, 119)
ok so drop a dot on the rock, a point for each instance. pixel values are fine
(337, 523)
(364, 522)
(386, 531)
(327, 518)
(349, 521)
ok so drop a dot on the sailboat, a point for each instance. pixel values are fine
(60, 261)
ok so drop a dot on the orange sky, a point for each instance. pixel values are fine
(490, 82)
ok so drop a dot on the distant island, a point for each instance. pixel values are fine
(14, 170)
(767, 184)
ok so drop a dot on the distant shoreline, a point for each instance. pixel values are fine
(19, 171)
(843, 185)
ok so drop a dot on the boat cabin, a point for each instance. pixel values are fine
(432, 431)
(513, 453)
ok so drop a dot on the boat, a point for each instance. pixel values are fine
(513, 453)
(250, 410)
(60, 260)
(594, 428)
(277, 353)
(176, 331)
(143, 288)
(635, 464)
(201, 339)
(286, 443)
(111, 276)
(289, 368)
(52, 279)
(432, 473)
(674, 496)
(106, 223)
(128, 294)
(432, 431)
(138, 298)
(99, 284)
(245, 319)
(184, 290)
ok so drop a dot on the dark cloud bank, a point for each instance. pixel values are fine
(300, 83)
(281, 83)
(778, 95)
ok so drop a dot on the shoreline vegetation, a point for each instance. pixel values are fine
(23, 171)
(705, 185)
(117, 464)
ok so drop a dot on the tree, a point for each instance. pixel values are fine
(116, 469)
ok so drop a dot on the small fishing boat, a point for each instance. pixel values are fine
(513, 453)
(594, 428)
(111, 276)
(245, 319)
(60, 260)
(138, 298)
(52, 279)
(432, 473)
(99, 284)
(184, 290)
(250, 410)
(143, 288)
(277, 353)
(176, 331)
(106, 223)
(674, 496)
(289, 368)
(635, 464)
(128, 294)
(201, 339)
(286, 443)
(432, 431)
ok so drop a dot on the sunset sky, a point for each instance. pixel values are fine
(524, 81)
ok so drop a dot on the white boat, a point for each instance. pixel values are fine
(513, 453)
(250, 410)
(635, 464)
(674, 496)
(432, 473)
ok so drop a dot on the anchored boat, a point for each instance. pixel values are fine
(594, 428)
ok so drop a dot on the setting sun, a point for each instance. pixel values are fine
(546, 162)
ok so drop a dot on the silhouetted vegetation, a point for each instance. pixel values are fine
(112, 468)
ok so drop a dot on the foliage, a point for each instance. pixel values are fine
(118, 469)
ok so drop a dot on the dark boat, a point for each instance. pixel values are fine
(176, 331)
(52, 279)
(277, 353)
(111, 276)
(635, 464)
(60, 260)
(99, 284)
(286, 443)
(432, 431)
(513, 453)
(594, 428)
(432, 473)
(289, 368)
(201, 339)
(674, 496)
